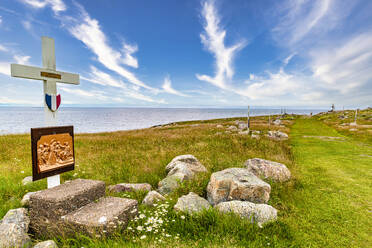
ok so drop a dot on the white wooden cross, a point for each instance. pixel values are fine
(50, 77)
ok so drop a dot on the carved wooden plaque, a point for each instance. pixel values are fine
(52, 151)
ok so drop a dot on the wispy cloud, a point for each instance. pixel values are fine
(128, 58)
(213, 39)
(17, 58)
(1, 20)
(21, 59)
(99, 77)
(345, 65)
(88, 30)
(56, 5)
(299, 18)
(167, 87)
(84, 93)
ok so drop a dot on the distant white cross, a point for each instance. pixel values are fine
(50, 77)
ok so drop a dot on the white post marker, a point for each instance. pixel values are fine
(248, 120)
(50, 77)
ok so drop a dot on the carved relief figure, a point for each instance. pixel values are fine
(54, 154)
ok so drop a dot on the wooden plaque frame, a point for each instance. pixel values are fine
(52, 133)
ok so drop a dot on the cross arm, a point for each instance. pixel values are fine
(31, 72)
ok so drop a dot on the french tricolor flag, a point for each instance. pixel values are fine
(53, 101)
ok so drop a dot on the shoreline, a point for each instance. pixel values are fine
(159, 125)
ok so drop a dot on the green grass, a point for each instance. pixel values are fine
(326, 204)
(332, 205)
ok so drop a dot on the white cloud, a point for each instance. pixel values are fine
(5, 65)
(287, 59)
(56, 5)
(274, 85)
(213, 39)
(89, 32)
(300, 18)
(167, 87)
(128, 59)
(84, 93)
(344, 66)
(1, 20)
(21, 59)
(99, 77)
(5, 68)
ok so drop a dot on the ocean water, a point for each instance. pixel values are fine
(92, 120)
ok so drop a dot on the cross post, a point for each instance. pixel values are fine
(50, 77)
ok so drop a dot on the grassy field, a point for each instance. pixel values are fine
(326, 204)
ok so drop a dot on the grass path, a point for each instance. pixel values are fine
(331, 204)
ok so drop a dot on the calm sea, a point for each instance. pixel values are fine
(91, 120)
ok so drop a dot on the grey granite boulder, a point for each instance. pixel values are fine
(129, 187)
(246, 132)
(13, 229)
(191, 161)
(183, 167)
(169, 184)
(26, 198)
(255, 136)
(268, 169)
(242, 125)
(46, 244)
(191, 203)
(277, 122)
(232, 128)
(12, 235)
(237, 184)
(152, 197)
(278, 135)
(256, 213)
(18, 217)
(219, 126)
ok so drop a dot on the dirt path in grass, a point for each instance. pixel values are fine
(332, 201)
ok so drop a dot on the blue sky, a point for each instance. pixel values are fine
(222, 53)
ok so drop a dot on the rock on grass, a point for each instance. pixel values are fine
(129, 187)
(191, 162)
(237, 184)
(191, 203)
(268, 169)
(26, 198)
(46, 244)
(13, 229)
(256, 213)
(152, 197)
(183, 167)
(169, 184)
